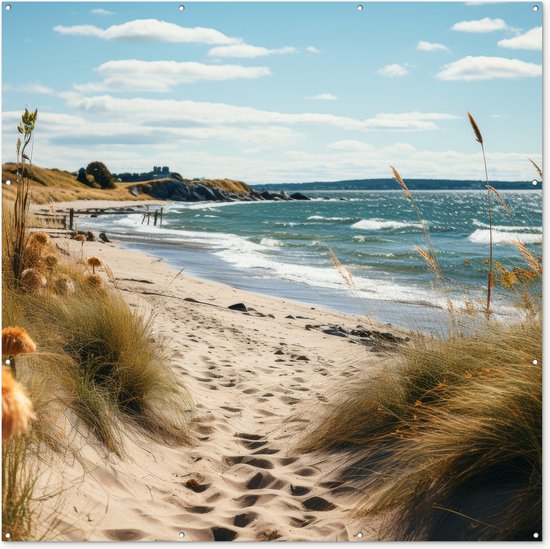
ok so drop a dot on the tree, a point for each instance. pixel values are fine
(81, 177)
(101, 175)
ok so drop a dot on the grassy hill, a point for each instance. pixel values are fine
(51, 184)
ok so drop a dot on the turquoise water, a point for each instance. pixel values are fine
(280, 248)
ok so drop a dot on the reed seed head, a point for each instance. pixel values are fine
(537, 168)
(475, 127)
(16, 341)
(17, 411)
(399, 179)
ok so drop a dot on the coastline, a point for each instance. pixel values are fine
(256, 377)
(201, 260)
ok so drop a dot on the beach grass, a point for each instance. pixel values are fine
(446, 436)
(92, 363)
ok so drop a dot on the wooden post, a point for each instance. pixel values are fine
(148, 217)
(156, 216)
(161, 217)
(65, 222)
(71, 218)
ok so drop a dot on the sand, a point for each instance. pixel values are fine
(256, 378)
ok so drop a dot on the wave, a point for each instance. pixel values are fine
(507, 228)
(482, 236)
(323, 218)
(271, 242)
(378, 224)
(361, 238)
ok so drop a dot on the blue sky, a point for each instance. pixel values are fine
(277, 92)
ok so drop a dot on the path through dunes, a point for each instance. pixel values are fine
(249, 373)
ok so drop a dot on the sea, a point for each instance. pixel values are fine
(287, 248)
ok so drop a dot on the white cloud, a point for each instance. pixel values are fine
(127, 143)
(431, 46)
(322, 97)
(487, 68)
(248, 51)
(100, 11)
(150, 29)
(28, 88)
(313, 49)
(393, 70)
(199, 112)
(531, 40)
(162, 76)
(480, 25)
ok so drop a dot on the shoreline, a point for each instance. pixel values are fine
(256, 376)
(202, 262)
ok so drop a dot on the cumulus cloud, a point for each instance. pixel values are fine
(531, 40)
(312, 49)
(431, 46)
(131, 144)
(201, 112)
(394, 70)
(322, 97)
(150, 30)
(162, 76)
(480, 25)
(248, 51)
(100, 11)
(487, 68)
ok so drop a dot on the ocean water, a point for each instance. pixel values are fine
(282, 248)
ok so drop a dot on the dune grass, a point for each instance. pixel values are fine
(446, 436)
(97, 369)
(52, 185)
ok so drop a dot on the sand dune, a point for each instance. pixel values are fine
(256, 377)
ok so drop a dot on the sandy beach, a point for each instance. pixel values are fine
(256, 378)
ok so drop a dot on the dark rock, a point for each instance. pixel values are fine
(289, 316)
(238, 307)
(90, 236)
(299, 196)
(279, 352)
(103, 237)
(303, 357)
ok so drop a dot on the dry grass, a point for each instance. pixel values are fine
(446, 437)
(97, 367)
(460, 422)
(53, 185)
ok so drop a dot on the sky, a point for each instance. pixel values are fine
(277, 92)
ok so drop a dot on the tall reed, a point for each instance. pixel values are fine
(479, 139)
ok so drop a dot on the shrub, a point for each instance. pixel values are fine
(102, 176)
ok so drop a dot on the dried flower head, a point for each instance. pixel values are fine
(94, 281)
(39, 238)
(50, 260)
(32, 279)
(63, 285)
(93, 262)
(17, 409)
(80, 238)
(16, 341)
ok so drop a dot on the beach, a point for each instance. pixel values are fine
(257, 375)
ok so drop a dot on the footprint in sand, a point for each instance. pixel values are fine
(125, 534)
